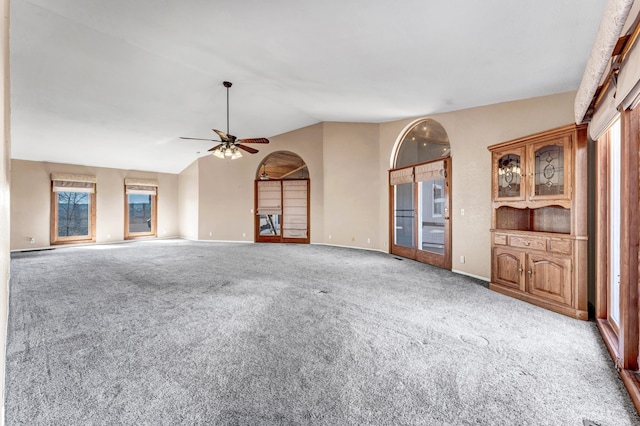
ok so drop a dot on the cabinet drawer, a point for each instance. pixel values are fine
(559, 245)
(534, 243)
(500, 239)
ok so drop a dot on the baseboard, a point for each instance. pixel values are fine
(478, 277)
(351, 247)
(61, 246)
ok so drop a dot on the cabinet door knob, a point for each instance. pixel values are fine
(530, 272)
(527, 243)
(520, 269)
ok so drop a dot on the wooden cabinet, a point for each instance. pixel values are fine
(539, 241)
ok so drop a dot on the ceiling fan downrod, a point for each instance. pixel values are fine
(227, 84)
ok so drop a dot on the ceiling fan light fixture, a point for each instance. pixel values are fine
(229, 144)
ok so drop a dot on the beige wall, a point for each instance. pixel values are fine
(188, 202)
(5, 177)
(352, 185)
(30, 201)
(213, 199)
(226, 187)
(470, 132)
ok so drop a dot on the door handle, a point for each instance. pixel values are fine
(520, 269)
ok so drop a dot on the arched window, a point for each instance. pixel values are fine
(420, 184)
(424, 141)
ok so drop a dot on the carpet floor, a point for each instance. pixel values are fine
(170, 332)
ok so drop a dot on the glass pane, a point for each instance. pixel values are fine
(549, 170)
(509, 174)
(431, 231)
(425, 141)
(140, 213)
(614, 223)
(269, 224)
(73, 214)
(403, 215)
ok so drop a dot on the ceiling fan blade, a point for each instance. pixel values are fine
(254, 140)
(223, 135)
(215, 147)
(200, 139)
(247, 148)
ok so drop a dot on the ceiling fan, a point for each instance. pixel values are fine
(230, 145)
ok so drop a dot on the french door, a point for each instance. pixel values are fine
(282, 211)
(420, 202)
(617, 241)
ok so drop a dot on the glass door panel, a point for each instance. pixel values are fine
(614, 228)
(549, 170)
(509, 176)
(270, 224)
(404, 215)
(431, 232)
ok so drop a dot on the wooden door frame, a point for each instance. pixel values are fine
(280, 238)
(442, 261)
(623, 346)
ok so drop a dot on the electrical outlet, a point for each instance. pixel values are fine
(461, 212)
(244, 234)
(329, 236)
(461, 259)
(32, 240)
(210, 234)
(369, 240)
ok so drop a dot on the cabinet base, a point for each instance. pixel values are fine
(561, 309)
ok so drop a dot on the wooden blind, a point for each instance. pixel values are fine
(141, 186)
(64, 182)
(269, 197)
(295, 209)
(401, 176)
(429, 171)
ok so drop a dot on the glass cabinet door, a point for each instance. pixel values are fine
(549, 169)
(509, 168)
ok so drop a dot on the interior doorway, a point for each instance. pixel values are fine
(420, 195)
(282, 199)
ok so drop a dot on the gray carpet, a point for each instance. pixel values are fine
(174, 332)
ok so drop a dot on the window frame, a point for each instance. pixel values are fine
(153, 232)
(55, 239)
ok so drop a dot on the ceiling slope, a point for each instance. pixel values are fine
(114, 84)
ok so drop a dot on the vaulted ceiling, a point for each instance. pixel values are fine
(115, 83)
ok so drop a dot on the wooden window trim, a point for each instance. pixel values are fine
(623, 345)
(55, 239)
(154, 220)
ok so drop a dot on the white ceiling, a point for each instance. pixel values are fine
(115, 83)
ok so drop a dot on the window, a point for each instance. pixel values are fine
(73, 208)
(420, 195)
(141, 206)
